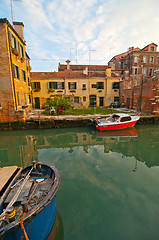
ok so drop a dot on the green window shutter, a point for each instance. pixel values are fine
(54, 85)
(48, 85)
(63, 85)
(33, 85)
(39, 85)
(69, 85)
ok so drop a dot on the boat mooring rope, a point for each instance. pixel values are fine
(22, 226)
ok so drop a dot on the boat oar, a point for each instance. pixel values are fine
(38, 180)
(14, 199)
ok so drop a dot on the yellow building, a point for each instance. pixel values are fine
(85, 89)
(15, 90)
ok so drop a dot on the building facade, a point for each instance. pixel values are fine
(139, 68)
(137, 61)
(85, 89)
(15, 90)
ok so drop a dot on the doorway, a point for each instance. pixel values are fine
(37, 102)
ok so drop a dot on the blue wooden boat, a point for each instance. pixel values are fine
(28, 203)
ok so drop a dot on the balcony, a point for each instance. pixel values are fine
(36, 90)
(51, 90)
(72, 90)
(15, 51)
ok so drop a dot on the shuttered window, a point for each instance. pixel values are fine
(16, 71)
(36, 85)
(72, 85)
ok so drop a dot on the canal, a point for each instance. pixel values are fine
(109, 180)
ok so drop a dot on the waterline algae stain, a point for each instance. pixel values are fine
(109, 183)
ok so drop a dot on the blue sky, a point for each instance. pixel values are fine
(85, 31)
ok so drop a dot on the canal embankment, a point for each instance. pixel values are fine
(64, 121)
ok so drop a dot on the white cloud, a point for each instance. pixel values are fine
(108, 26)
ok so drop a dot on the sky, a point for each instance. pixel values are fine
(84, 31)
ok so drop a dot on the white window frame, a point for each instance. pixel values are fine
(136, 59)
(144, 59)
(144, 71)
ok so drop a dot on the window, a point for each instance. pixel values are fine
(84, 99)
(29, 98)
(116, 99)
(150, 72)
(28, 81)
(56, 85)
(72, 85)
(76, 99)
(21, 50)
(135, 59)
(13, 43)
(144, 71)
(125, 119)
(23, 76)
(144, 59)
(25, 98)
(18, 99)
(135, 70)
(100, 85)
(83, 86)
(16, 71)
(151, 59)
(115, 85)
(94, 85)
(36, 85)
(152, 49)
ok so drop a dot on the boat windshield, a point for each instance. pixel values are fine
(113, 118)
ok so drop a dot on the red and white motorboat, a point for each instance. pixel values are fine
(116, 121)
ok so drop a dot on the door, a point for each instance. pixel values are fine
(92, 101)
(37, 102)
(101, 101)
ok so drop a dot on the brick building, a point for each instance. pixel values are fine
(15, 90)
(139, 69)
(137, 61)
(83, 88)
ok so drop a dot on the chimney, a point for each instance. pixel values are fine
(19, 27)
(68, 64)
(85, 71)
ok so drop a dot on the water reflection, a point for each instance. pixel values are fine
(57, 232)
(21, 147)
(106, 180)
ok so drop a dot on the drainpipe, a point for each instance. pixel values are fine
(12, 73)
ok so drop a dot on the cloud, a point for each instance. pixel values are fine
(54, 27)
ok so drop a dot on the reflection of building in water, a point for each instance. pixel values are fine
(22, 149)
(17, 150)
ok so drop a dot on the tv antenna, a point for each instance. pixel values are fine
(11, 7)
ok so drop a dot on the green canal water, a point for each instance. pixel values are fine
(109, 181)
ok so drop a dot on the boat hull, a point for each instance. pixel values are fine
(38, 227)
(116, 126)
